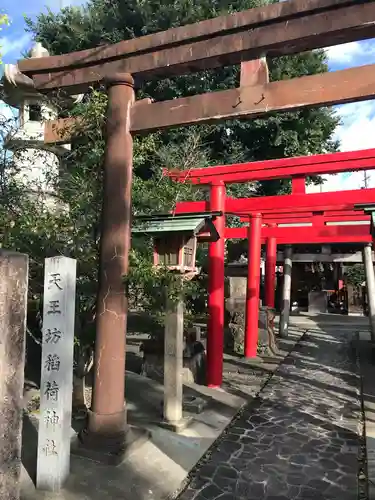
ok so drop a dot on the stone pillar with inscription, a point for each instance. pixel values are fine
(370, 285)
(13, 305)
(56, 383)
(287, 290)
(173, 365)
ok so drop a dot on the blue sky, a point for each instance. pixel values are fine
(14, 40)
(357, 129)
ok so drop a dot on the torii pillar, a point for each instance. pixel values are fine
(254, 72)
(370, 286)
(106, 438)
(216, 251)
(271, 258)
(287, 288)
(253, 283)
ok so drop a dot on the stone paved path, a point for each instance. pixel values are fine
(300, 440)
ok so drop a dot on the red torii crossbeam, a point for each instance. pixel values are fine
(307, 234)
(315, 202)
(305, 217)
(331, 163)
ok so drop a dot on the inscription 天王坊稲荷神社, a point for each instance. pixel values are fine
(53, 464)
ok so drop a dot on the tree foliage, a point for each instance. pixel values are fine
(75, 232)
(355, 274)
(73, 229)
(4, 21)
(280, 135)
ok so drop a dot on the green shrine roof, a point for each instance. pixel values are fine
(167, 226)
(167, 223)
(366, 207)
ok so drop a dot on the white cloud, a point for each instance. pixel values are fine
(14, 45)
(344, 182)
(7, 112)
(55, 5)
(343, 53)
(357, 128)
(356, 131)
(351, 54)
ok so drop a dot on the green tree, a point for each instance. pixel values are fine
(109, 21)
(4, 21)
(355, 274)
(279, 135)
(29, 226)
(76, 233)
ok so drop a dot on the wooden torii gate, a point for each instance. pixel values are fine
(274, 30)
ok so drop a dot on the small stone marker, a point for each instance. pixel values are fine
(287, 287)
(13, 306)
(173, 364)
(370, 286)
(57, 373)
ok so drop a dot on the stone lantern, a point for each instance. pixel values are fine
(37, 164)
(175, 237)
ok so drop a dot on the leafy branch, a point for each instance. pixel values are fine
(355, 274)
(4, 21)
(154, 286)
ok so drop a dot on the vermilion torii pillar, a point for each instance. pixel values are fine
(299, 185)
(271, 257)
(253, 283)
(216, 250)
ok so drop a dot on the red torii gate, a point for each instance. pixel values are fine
(323, 210)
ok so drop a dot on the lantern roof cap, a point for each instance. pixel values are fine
(192, 222)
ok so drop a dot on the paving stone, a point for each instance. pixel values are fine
(210, 491)
(224, 483)
(243, 489)
(295, 479)
(189, 494)
(227, 472)
(299, 440)
(199, 482)
(207, 470)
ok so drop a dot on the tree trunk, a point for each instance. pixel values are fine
(82, 368)
(79, 399)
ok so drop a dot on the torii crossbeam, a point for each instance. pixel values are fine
(315, 202)
(301, 166)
